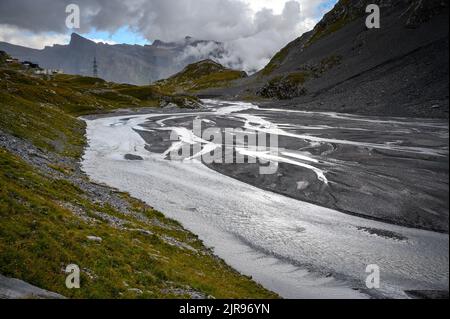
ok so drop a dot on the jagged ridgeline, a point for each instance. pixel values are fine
(52, 215)
(121, 63)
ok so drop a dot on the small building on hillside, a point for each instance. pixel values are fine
(48, 71)
(30, 65)
(11, 61)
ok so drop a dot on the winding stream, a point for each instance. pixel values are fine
(295, 248)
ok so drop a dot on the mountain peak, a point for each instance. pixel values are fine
(76, 39)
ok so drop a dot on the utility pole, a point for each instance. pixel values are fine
(95, 68)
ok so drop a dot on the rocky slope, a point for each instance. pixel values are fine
(122, 63)
(400, 69)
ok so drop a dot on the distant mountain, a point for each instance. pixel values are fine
(341, 65)
(199, 76)
(121, 63)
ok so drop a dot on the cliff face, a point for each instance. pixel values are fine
(133, 64)
(399, 69)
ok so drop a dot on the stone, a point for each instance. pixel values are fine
(94, 238)
(131, 157)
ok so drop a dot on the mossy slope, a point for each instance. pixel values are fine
(199, 76)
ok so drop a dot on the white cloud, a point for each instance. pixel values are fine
(17, 36)
(264, 34)
(252, 30)
(257, 5)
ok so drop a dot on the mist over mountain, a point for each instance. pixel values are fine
(122, 63)
(250, 34)
(399, 69)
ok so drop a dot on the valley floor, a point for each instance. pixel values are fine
(375, 167)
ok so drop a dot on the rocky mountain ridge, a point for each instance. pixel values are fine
(120, 63)
(400, 69)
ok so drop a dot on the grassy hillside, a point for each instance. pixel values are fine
(49, 210)
(199, 76)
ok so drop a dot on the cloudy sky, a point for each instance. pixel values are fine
(252, 30)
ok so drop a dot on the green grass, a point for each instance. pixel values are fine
(294, 78)
(284, 82)
(346, 14)
(45, 125)
(276, 61)
(330, 29)
(200, 76)
(39, 237)
(297, 77)
(321, 31)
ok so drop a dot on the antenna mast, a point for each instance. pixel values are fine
(95, 68)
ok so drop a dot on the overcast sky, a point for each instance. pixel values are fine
(253, 30)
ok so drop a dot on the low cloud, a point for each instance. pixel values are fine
(263, 38)
(17, 36)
